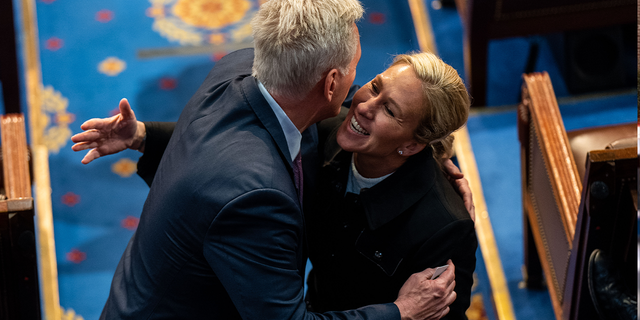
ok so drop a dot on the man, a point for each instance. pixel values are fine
(221, 234)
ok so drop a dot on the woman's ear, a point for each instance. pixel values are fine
(412, 148)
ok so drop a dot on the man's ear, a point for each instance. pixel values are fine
(330, 84)
(412, 147)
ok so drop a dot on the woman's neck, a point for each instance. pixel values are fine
(375, 167)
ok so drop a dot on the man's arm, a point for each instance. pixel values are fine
(157, 138)
(252, 246)
(121, 132)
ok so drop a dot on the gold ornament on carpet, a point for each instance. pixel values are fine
(124, 167)
(69, 314)
(202, 22)
(112, 66)
(54, 107)
(211, 13)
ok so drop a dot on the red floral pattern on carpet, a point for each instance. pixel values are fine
(70, 199)
(76, 256)
(130, 223)
(53, 44)
(104, 16)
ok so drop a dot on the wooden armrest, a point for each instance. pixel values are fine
(14, 205)
(597, 138)
(17, 183)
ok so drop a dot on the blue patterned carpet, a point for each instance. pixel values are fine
(94, 53)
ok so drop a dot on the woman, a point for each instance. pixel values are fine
(383, 209)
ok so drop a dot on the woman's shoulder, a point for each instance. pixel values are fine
(442, 202)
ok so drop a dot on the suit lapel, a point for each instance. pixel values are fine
(265, 114)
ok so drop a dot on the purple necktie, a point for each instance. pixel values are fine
(297, 175)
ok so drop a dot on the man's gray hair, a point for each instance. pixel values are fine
(297, 41)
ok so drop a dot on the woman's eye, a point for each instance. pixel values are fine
(374, 87)
(388, 110)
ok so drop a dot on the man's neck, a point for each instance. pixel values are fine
(302, 112)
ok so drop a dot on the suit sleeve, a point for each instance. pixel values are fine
(456, 241)
(252, 246)
(158, 135)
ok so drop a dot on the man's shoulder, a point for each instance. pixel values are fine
(238, 62)
(241, 54)
(242, 157)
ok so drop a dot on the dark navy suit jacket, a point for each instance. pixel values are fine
(221, 235)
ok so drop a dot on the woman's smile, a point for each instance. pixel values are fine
(355, 126)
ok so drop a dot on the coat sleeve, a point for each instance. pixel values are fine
(456, 241)
(158, 135)
(252, 245)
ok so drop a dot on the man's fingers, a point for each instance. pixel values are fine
(125, 110)
(445, 311)
(449, 274)
(91, 124)
(451, 287)
(448, 300)
(472, 212)
(90, 156)
(99, 124)
(465, 189)
(467, 197)
(426, 274)
(85, 136)
(451, 297)
(84, 146)
(452, 170)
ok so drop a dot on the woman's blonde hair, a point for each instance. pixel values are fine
(446, 102)
(297, 41)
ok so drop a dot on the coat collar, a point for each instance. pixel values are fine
(396, 194)
(265, 114)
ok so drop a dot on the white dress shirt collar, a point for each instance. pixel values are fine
(357, 182)
(291, 133)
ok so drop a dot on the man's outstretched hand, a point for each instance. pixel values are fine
(110, 135)
(422, 298)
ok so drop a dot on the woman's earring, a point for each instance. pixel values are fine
(400, 152)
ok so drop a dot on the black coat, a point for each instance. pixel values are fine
(363, 248)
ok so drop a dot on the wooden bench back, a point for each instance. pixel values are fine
(560, 212)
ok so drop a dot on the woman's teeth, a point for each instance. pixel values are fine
(356, 127)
